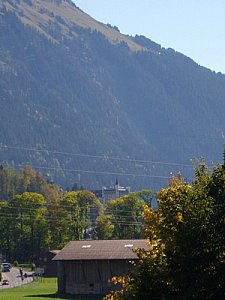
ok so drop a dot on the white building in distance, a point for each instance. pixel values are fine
(111, 193)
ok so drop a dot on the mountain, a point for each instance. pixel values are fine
(83, 103)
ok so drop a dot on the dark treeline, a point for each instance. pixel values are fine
(36, 215)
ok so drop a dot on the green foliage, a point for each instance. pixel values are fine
(186, 256)
(14, 182)
(78, 208)
(15, 263)
(24, 233)
(122, 218)
(33, 267)
(104, 228)
(148, 196)
(31, 223)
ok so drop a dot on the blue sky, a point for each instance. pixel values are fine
(195, 28)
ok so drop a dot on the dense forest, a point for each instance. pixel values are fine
(36, 215)
(89, 103)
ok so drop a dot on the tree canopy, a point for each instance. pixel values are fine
(185, 234)
(37, 215)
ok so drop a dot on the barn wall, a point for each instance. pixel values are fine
(61, 277)
(92, 277)
(50, 266)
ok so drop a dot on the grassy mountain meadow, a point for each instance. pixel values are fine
(81, 102)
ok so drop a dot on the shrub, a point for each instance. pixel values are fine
(15, 263)
(33, 267)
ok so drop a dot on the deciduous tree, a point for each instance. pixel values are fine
(186, 256)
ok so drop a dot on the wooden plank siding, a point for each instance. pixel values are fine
(87, 277)
(86, 267)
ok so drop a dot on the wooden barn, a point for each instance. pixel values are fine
(86, 267)
(45, 262)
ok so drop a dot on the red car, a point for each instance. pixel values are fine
(5, 282)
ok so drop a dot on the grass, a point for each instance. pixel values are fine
(43, 289)
(25, 267)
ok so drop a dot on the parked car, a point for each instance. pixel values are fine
(6, 267)
(5, 282)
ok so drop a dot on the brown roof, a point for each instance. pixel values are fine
(100, 249)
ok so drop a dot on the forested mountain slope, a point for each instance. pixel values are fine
(75, 95)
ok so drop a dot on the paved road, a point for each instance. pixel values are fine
(15, 279)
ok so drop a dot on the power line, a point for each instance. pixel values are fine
(64, 218)
(17, 217)
(104, 157)
(102, 172)
(96, 172)
(124, 213)
(56, 208)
